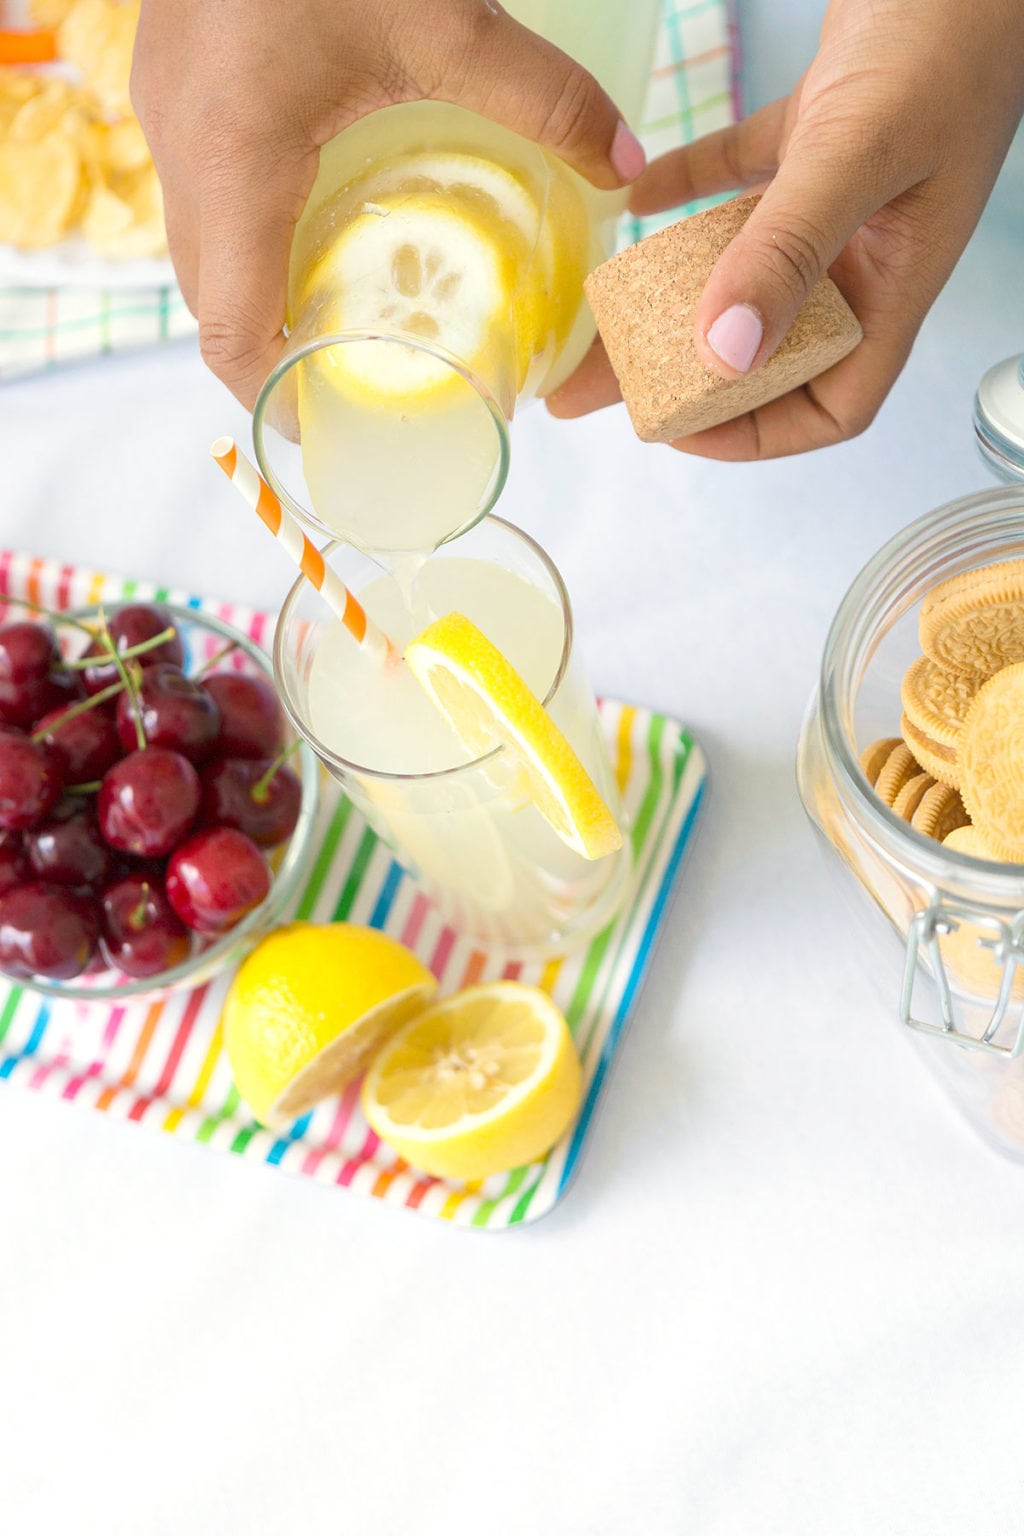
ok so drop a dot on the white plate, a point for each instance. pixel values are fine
(73, 263)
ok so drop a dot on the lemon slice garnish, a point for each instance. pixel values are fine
(308, 1008)
(488, 704)
(486, 1080)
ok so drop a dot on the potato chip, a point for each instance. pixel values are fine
(126, 148)
(125, 218)
(97, 37)
(49, 13)
(92, 143)
(149, 232)
(57, 107)
(38, 189)
(16, 87)
(106, 217)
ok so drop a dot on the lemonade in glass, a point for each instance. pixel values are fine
(465, 825)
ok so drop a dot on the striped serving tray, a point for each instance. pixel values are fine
(163, 1066)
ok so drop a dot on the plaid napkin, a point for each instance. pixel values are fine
(694, 89)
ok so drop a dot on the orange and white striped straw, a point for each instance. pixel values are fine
(247, 479)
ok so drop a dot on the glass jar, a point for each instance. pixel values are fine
(942, 932)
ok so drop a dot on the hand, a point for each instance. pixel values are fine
(236, 100)
(877, 167)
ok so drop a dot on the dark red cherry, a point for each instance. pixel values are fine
(215, 878)
(28, 654)
(148, 802)
(252, 723)
(175, 713)
(31, 678)
(141, 934)
(46, 930)
(131, 626)
(88, 742)
(13, 865)
(67, 849)
(251, 794)
(28, 650)
(24, 704)
(31, 779)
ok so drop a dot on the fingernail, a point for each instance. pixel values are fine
(736, 335)
(627, 154)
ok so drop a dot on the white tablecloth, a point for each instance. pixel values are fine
(783, 1295)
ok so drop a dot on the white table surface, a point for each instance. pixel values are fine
(785, 1292)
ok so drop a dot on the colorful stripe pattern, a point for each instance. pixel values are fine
(161, 1064)
(694, 90)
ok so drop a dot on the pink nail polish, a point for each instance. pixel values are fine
(627, 154)
(736, 335)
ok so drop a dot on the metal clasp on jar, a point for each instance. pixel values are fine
(1006, 945)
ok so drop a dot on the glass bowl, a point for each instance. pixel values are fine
(202, 636)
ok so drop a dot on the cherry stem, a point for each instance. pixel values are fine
(128, 680)
(132, 677)
(137, 917)
(73, 710)
(82, 662)
(83, 789)
(261, 789)
(211, 661)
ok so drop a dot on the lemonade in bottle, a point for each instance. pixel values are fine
(435, 282)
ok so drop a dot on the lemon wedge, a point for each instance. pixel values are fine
(488, 704)
(307, 1009)
(483, 1081)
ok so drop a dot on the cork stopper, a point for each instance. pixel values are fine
(644, 300)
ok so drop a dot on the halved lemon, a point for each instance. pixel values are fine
(483, 1081)
(309, 1006)
(488, 704)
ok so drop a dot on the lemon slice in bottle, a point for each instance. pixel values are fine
(419, 268)
(482, 186)
(488, 704)
(486, 1080)
(548, 239)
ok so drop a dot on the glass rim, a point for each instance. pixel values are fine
(855, 626)
(297, 354)
(435, 775)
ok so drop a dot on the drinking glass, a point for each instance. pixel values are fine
(465, 831)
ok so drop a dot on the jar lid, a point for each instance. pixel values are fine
(999, 418)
